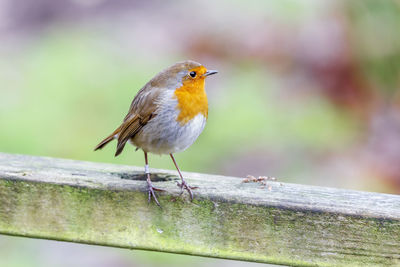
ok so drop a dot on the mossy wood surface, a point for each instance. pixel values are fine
(280, 223)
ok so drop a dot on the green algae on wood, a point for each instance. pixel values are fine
(282, 223)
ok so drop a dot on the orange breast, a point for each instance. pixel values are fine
(192, 100)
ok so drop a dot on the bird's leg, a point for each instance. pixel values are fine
(183, 185)
(150, 187)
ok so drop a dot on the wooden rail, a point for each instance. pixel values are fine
(265, 221)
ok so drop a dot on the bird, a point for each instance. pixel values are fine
(165, 117)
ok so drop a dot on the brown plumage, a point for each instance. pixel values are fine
(144, 105)
(166, 116)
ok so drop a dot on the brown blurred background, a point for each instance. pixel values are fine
(308, 92)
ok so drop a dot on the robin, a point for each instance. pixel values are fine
(166, 116)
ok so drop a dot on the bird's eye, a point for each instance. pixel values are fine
(192, 74)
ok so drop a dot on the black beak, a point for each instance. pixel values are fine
(210, 72)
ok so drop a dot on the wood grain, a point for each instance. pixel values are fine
(281, 223)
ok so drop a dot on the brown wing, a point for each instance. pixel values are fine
(141, 111)
(143, 107)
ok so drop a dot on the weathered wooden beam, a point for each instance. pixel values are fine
(279, 223)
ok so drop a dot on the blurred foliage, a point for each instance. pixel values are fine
(374, 38)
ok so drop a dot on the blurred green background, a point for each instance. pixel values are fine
(307, 91)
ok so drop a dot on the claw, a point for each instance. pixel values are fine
(183, 184)
(151, 193)
(188, 188)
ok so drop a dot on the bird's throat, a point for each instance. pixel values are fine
(192, 100)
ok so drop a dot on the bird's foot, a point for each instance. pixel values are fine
(151, 192)
(188, 188)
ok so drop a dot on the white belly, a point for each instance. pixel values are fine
(164, 135)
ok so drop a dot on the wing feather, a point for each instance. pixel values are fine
(141, 111)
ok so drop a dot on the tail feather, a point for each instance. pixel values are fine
(120, 147)
(107, 140)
